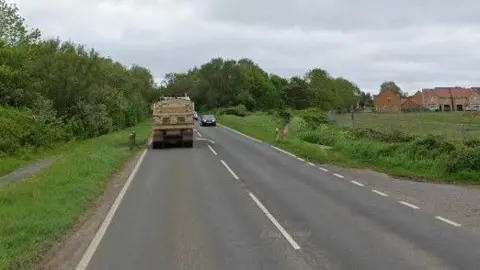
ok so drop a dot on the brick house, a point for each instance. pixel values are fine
(387, 101)
(413, 103)
(451, 99)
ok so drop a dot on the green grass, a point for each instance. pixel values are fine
(416, 160)
(437, 123)
(9, 163)
(262, 126)
(40, 209)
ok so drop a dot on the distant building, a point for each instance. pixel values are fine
(451, 99)
(433, 99)
(387, 100)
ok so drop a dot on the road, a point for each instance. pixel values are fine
(242, 204)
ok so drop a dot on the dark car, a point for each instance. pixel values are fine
(208, 120)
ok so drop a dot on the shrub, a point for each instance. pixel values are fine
(314, 117)
(473, 143)
(430, 146)
(239, 110)
(465, 160)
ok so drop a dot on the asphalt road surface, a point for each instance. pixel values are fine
(242, 204)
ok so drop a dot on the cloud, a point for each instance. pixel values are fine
(415, 44)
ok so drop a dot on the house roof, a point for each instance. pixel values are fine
(447, 92)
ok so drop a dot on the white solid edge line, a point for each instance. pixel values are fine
(238, 132)
(448, 221)
(283, 151)
(409, 205)
(87, 256)
(275, 222)
(339, 175)
(211, 149)
(229, 170)
(301, 159)
(357, 183)
(311, 164)
(380, 193)
(323, 169)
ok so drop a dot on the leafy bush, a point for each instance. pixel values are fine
(472, 143)
(239, 110)
(314, 117)
(465, 160)
(21, 128)
(430, 146)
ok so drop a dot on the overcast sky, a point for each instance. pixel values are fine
(417, 44)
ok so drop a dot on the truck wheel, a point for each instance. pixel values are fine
(188, 144)
(154, 145)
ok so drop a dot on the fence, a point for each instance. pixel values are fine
(450, 124)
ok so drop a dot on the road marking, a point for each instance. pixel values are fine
(301, 159)
(238, 132)
(409, 205)
(448, 221)
(87, 256)
(198, 133)
(283, 151)
(275, 222)
(338, 175)
(230, 170)
(211, 149)
(380, 193)
(357, 183)
(323, 169)
(203, 139)
(311, 164)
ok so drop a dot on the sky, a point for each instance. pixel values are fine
(417, 44)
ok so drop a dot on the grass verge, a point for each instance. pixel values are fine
(42, 208)
(422, 159)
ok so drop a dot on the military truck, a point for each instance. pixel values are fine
(173, 122)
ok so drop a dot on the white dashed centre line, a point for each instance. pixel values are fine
(446, 220)
(323, 169)
(380, 193)
(409, 205)
(275, 222)
(357, 183)
(198, 133)
(229, 170)
(211, 149)
(338, 175)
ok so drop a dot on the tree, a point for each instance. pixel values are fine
(365, 100)
(392, 86)
(13, 29)
(226, 83)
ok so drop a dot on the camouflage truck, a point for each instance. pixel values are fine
(173, 122)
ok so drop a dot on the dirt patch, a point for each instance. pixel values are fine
(68, 251)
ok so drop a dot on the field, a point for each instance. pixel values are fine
(451, 124)
(43, 207)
